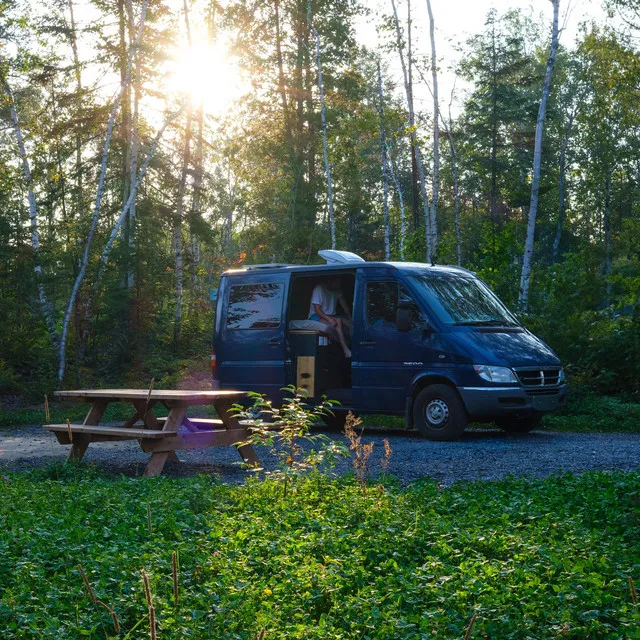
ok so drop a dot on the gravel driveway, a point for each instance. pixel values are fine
(480, 455)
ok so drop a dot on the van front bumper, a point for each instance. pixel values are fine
(492, 402)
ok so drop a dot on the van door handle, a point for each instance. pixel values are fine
(368, 343)
(274, 341)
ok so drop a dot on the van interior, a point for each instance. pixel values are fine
(319, 363)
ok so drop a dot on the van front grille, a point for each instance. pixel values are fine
(542, 391)
(539, 377)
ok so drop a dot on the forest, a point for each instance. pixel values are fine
(148, 145)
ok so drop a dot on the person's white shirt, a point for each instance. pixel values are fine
(326, 298)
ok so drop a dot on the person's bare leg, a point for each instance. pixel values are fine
(347, 325)
(343, 342)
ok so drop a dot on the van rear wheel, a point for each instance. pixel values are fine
(438, 413)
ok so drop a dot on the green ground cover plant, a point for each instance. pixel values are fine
(533, 559)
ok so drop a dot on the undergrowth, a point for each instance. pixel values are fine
(531, 559)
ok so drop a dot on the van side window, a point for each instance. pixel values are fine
(382, 304)
(255, 306)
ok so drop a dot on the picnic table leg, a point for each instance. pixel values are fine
(79, 446)
(230, 422)
(157, 461)
(80, 442)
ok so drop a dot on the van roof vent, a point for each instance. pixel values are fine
(339, 257)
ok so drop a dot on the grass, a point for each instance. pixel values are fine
(533, 559)
(590, 413)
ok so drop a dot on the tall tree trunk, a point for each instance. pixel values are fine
(132, 155)
(396, 182)
(281, 80)
(415, 180)
(523, 298)
(79, 195)
(45, 308)
(414, 139)
(228, 228)
(78, 141)
(323, 120)
(385, 176)
(99, 194)
(433, 231)
(198, 173)
(182, 185)
(561, 186)
(118, 225)
(456, 189)
(177, 230)
(606, 222)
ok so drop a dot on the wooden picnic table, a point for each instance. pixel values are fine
(158, 436)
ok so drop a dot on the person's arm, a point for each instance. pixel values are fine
(321, 314)
(344, 305)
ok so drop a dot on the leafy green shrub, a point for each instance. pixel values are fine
(533, 559)
(599, 346)
(284, 428)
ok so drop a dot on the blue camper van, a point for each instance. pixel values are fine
(431, 343)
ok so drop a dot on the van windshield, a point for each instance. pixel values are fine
(462, 300)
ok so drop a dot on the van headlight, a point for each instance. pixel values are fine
(495, 374)
(562, 378)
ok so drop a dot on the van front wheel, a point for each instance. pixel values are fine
(438, 413)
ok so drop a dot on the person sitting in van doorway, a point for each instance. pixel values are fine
(324, 302)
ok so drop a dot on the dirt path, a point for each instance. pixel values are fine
(480, 455)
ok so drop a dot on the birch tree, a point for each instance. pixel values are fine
(385, 176)
(99, 194)
(433, 230)
(179, 214)
(414, 137)
(45, 308)
(134, 190)
(323, 120)
(525, 278)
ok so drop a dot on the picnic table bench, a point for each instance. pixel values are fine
(158, 436)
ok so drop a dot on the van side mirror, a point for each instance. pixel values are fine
(403, 316)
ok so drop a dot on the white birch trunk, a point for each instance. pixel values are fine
(143, 170)
(414, 138)
(435, 191)
(45, 307)
(96, 210)
(385, 173)
(525, 279)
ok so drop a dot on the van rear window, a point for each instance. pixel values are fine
(255, 306)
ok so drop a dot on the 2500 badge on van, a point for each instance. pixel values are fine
(432, 343)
